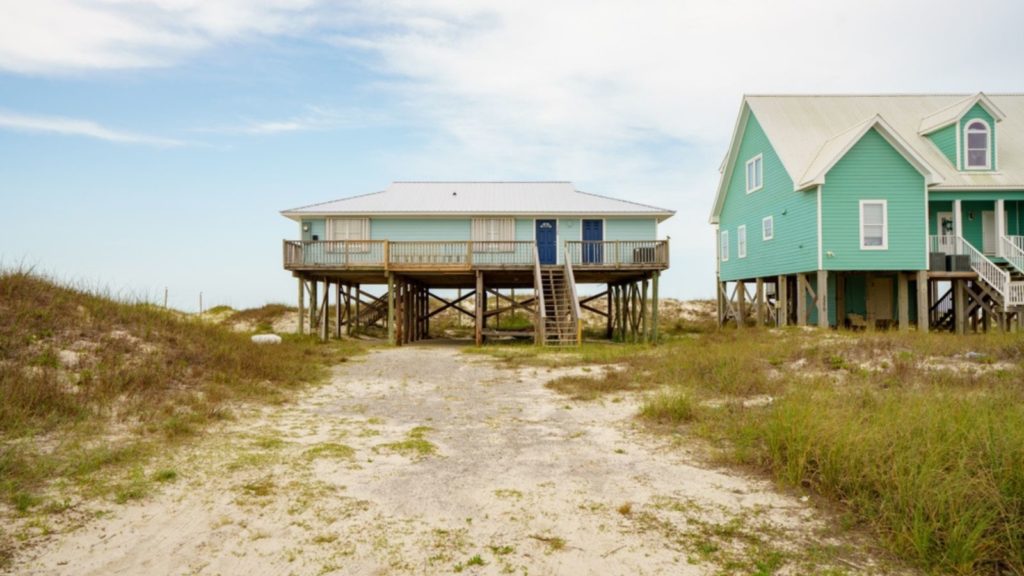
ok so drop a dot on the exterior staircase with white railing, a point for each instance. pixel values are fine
(1005, 278)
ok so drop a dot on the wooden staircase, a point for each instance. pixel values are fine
(560, 324)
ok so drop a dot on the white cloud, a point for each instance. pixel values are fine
(79, 127)
(314, 119)
(62, 36)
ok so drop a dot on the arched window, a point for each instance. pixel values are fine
(979, 153)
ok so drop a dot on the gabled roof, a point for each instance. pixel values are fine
(806, 132)
(835, 148)
(479, 198)
(952, 114)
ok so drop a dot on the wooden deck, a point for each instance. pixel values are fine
(447, 262)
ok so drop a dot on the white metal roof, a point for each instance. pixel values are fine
(483, 198)
(809, 132)
(798, 127)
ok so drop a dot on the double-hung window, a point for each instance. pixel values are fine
(767, 228)
(741, 241)
(723, 246)
(755, 173)
(874, 225)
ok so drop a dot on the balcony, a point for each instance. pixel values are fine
(459, 256)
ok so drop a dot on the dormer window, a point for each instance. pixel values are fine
(979, 153)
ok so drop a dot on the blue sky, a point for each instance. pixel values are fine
(146, 145)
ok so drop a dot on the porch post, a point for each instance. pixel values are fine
(302, 303)
(654, 307)
(782, 298)
(959, 306)
(903, 299)
(923, 302)
(822, 298)
(801, 299)
(391, 308)
(611, 311)
(741, 302)
(958, 224)
(759, 311)
(479, 299)
(1000, 227)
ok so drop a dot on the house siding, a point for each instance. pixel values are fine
(873, 170)
(794, 247)
(317, 227)
(976, 112)
(945, 141)
(977, 202)
(420, 229)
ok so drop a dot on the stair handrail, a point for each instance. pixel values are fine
(570, 281)
(538, 293)
(1012, 252)
(995, 276)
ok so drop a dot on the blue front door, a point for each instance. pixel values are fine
(593, 234)
(547, 241)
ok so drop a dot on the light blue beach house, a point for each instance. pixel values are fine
(484, 238)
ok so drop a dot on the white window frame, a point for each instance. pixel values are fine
(741, 241)
(885, 224)
(967, 145)
(770, 220)
(361, 232)
(758, 163)
(723, 246)
(492, 239)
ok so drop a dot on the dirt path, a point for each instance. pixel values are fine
(422, 460)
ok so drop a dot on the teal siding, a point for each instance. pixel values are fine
(975, 113)
(945, 141)
(795, 245)
(317, 227)
(873, 170)
(630, 229)
(933, 214)
(524, 229)
(421, 229)
(976, 202)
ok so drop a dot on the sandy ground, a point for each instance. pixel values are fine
(423, 460)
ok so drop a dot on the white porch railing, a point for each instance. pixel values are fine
(1013, 252)
(993, 275)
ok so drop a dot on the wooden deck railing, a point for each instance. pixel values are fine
(618, 253)
(407, 255)
(334, 253)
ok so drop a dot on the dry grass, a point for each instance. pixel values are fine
(92, 387)
(919, 436)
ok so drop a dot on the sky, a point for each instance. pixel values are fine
(150, 145)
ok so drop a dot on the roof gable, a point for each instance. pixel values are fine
(835, 148)
(799, 127)
(953, 113)
(480, 198)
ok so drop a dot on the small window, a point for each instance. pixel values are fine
(976, 135)
(755, 173)
(741, 241)
(724, 246)
(768, 228)
(874, 225)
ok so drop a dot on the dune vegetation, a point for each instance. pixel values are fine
(918, 438)
(93, 387)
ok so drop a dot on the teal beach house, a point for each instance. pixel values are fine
(874, 210)
(423, 240)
